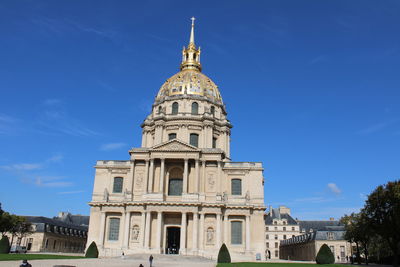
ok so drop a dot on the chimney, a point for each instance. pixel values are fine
(331, 219)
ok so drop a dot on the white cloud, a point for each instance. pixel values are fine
(111, 146)
(51, 181)
(70, 192)
(334, 188)
(22, 166)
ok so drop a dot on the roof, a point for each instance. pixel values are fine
(56, 222)
(306, 226)
(275, 214)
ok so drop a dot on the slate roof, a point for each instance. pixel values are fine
(306, 226)
(55, 222)
(277, 215)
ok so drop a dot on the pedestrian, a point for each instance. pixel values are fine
(141, 265)
(151, 260)
(123, 255)
(25, 264)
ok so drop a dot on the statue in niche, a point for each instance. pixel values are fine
(210, 235)
(135, 232)
(139, 180)
(247, 195)
(225, 196)
(211, 181)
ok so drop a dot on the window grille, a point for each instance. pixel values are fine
(194, 140)
(171, 136)
(117, 188)
(175, 187)
(195, 108)
(113, 232)
(236, 233)
(175, 108)
(236, 185)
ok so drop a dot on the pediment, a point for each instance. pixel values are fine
(175, 145)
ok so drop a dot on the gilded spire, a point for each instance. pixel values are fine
(190, 54)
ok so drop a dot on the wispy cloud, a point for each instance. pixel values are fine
(377, 127)
(51, 181)
(71, 192)
(112, 146)
(334, 188)
(32, 166)
(8, 124)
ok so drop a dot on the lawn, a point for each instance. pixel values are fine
(267, 264)
(17, 257)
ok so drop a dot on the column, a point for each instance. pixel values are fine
(126, 231)
(185, 176)
(102, 228)
(247, 232)
(204, 183)
(201, 236)
(142, 227)
(197, 182)
(147, 231)
(219, 177)
(146, 176)
(183, 234)
(162, 173)
(133, 177)
(218, 233)
(226, 226)
(151, 176)
(195, 231)
(159, 230)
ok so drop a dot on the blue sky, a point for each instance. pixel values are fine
(319, 80)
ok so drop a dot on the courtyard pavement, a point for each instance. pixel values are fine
(128, 261)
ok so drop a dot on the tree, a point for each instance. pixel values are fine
(382, 208)
(92, 251)
(325, 255)
(4, 245)
(223, 255)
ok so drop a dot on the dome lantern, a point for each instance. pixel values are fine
(190, 54)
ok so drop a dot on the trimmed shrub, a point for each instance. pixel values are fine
(92, 251)
(223, 255)
(325, 255)
(4, 245)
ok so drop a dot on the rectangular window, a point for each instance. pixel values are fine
(284, 228)
(267, 228)
(175, 187)
(194, 140)
(267, 244)
(236, 233)
(276, 237)
(330, 235)
(276, 245)
(342, 252)
(214, 143)
(117, 187)
(293, 228)
(267, 236)
(284, 236)
(172, 136)
(276, 228)
(276, 253)
(113, 231)
(236, 187)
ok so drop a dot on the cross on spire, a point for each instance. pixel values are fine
(192, 31)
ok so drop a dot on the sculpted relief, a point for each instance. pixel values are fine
(210, 235)
(135, 233)
(139, 180)
(211, 181)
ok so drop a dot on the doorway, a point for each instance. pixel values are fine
(173, 240)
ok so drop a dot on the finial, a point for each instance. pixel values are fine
(192, 32)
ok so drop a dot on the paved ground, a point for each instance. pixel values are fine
(129, 261)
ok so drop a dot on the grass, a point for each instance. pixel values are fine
(267, 264)
(18, 257)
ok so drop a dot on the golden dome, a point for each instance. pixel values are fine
(190, 80)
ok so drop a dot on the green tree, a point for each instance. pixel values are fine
(223, 255)
(4, 245)
(92, 251)
(382, 208)
(325, 255)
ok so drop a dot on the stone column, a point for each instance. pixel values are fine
(185, 176)
(204, 182)
(247, 232)
(218, 232)
(195, 231)
(219, 177)
(146, 176)
(102, 228)
(142, 228)
(147, 230)
(133, 177)
(226, 225)
(183, 234)
(151, 176)
(126, 231)
(159, 230)
(201, 236)
(197, 182)
(162, 173)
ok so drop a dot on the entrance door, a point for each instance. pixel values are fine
(173, 240)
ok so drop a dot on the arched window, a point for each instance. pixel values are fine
(236, 233)
(194, 139)
(117, 187)
(159, 109)
(171, 136)
(214, 142)
(195, 108)
(175, 108)
(113, 229)
(212, 110)
(236, 187)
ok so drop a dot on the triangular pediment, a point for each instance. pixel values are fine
(175, 145)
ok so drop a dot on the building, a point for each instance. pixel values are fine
(180, 192)
(279, 225)
(64, 233)
(314, 234)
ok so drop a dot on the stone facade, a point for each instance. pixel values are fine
(279, 225)
(180, 192)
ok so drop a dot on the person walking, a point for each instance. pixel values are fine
(25, 264)
(151, 260)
